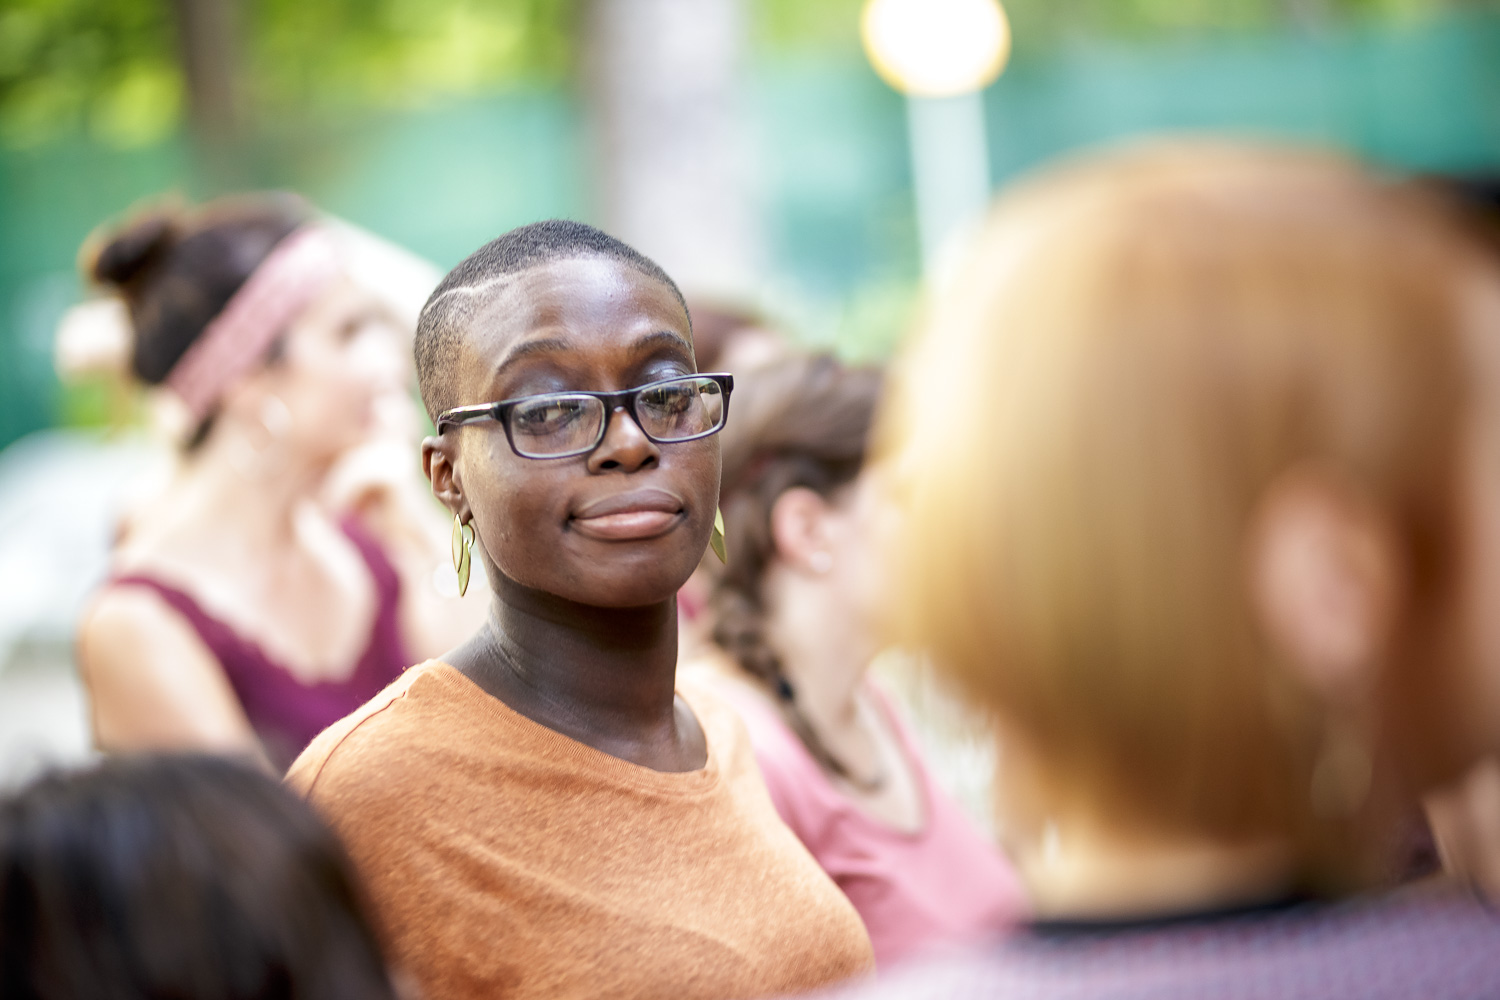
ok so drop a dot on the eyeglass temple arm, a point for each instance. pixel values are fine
(462, 415)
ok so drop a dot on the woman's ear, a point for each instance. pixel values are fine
(1326, 582)
(442, 471)
(243, 400)
(799, 530)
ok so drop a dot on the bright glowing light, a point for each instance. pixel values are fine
(936, 48)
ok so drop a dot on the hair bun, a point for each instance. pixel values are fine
(132, 248)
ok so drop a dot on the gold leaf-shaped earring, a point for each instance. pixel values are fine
(716, 537)
(463, 544)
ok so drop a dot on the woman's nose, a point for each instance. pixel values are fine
(625, 446)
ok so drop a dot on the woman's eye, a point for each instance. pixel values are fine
(356, 324)
(543, 418)
(669, 399)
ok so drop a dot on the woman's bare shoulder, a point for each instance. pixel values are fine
(126, 620)
(153, 683)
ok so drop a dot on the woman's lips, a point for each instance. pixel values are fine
(625, 526)
(636, 514)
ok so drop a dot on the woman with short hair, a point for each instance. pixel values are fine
(546, 812)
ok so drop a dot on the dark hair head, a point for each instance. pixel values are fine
(453, 304)
(184, 876)
(715, 325)
(177, 267)
(1476, 200)
(799, 422)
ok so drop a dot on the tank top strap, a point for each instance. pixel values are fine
(235, 652)
(240, 655)
(286, 712)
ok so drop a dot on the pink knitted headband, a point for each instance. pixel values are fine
(284, 284)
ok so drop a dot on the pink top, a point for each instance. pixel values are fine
(945, 885)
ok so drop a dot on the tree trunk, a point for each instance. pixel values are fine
(672, 173)
(207, 46)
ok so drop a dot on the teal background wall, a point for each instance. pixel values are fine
(832, 169)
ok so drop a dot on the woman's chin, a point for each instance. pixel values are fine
(628, 586)
(632, 574)
(636, 593)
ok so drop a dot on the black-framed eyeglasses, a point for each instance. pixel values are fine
(560, 424)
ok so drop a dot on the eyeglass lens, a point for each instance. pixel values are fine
(562, 423)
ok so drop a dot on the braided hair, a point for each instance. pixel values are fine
(800, 422)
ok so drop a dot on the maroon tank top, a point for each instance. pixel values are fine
(286, 712)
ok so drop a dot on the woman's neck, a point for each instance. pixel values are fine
(825, 654)
(822, 654)
(266, 486)
(605, 677)
(229, 493)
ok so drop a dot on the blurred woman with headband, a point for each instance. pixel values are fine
(246, 612)
(1197, 461)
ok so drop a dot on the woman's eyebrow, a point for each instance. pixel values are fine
(663, 338)
(552, 345)
(526, 348)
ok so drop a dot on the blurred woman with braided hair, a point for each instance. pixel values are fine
(795, 615)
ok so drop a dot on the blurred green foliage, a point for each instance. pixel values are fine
(399, 53)
(827, 24)
(106, 64)
(111, 68)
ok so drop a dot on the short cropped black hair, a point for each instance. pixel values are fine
(451, 308)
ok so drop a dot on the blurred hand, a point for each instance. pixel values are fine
(372, 474)
(1466, 822)
(386, 464)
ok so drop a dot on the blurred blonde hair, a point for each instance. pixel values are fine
(1140, 343)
